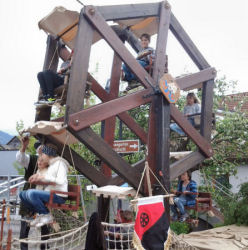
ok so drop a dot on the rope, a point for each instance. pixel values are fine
(81, 3)
(55, 51)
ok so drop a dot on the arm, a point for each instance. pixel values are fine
(22, 158)
(193, 189)
(143, 54)
(38, 179)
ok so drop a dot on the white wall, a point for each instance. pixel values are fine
(239, 178)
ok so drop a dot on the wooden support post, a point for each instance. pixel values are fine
(109, 128)
(50, 62)
(206, 116)
(158, 140)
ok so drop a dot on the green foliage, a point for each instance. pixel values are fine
(179, 227)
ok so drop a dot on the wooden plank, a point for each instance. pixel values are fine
(79, 70)
(50, 62)
(92, 115)
(129, 11)
(196, 80)
(206, 115)
(182, 121)
(109, 128)
(100, 148)
(116, 44)
(185, 164)
(81, 165)
(187, 44)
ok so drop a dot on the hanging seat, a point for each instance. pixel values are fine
(72, 201)
(203, 203)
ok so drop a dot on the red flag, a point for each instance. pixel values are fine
(151, 226)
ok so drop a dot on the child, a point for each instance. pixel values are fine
(143, 59)
(49, 81)
(192, 107)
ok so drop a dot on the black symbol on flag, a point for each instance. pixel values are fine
(144, 219)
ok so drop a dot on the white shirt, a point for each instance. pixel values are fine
(23, 159)
(57, 173)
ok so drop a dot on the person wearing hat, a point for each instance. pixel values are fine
(55, 178)
(28, 162)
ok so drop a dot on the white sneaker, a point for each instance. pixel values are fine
(35, 221)
(44, 219)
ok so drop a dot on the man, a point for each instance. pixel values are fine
(29, 162)
(185, 196)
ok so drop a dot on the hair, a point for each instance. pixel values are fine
(192, 95)
(147, 36)
(127, 216)
(188, 173)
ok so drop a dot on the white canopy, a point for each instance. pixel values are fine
(55, 129)
(114, 191)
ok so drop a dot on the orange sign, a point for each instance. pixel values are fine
(126, 146)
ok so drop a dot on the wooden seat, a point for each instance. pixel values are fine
(72, 201)
(203, 203)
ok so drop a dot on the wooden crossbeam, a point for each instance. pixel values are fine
(92, 115)
(96, 19)
(179, 167)
(100, 148)
(183, 122)
(129, 11)
(79, 69)
(81, 165)
(196, 80)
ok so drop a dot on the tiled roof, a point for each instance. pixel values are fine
(232, 101)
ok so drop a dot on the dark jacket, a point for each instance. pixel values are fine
(191, 187)
(30, 170)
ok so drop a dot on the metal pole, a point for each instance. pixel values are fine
(82, 198)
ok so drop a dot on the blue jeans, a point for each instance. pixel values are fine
(177, 129)
(179, 203)
(129, 76)
(35, 200)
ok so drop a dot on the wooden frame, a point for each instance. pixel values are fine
(79, 119)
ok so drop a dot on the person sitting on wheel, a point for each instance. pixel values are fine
(185, 196)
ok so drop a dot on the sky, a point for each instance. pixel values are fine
(218, 29)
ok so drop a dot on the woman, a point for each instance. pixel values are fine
(192, 107)
(185, 196)
(55, 178)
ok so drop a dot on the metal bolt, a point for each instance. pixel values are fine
(214, 72)
(76, 122)
(92, 11)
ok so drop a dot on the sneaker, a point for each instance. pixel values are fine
(51, 100)
(132, 85)
(184, 217)
(35, 221)
(44, 219)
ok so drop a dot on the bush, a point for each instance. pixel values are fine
(179, 227)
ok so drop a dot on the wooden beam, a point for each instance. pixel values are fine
(207, 108)
(185, 164)
(187, 44)
(50, 62)
(183, 122)
(109, 126)
(159, 132)
(79, 70)
(100, 148)
(81, 165)
(116, 44)
(196, 80)
(129, 11)
(92, 115)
